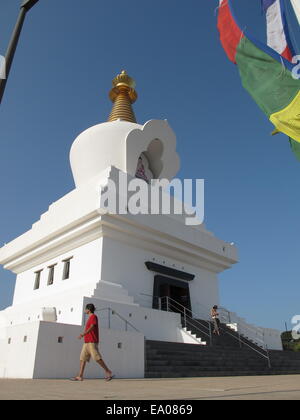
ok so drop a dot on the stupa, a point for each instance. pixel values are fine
(127, 265)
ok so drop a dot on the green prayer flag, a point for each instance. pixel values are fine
(295, 145)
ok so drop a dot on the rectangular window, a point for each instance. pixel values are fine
(51, 274)
(37, 281)
(67, 265)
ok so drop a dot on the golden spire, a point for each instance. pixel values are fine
(123, 95)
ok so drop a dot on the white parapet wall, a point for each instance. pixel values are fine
(18, 350)
(44, 350)
(154, 324)
(263, 337)
(273, 339)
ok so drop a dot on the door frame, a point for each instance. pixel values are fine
(159, 280)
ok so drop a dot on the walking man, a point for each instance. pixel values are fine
(90, 346)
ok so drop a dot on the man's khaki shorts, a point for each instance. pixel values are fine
(90, 350)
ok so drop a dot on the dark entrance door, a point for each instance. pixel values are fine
(176, 290)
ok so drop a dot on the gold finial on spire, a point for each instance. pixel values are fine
(123, 95)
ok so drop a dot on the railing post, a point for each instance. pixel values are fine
(239, 335)
(159, 303)
(229, 317)
(267, 350)
(167, 303)
(210, 334)
(184, 317)
(269, 360)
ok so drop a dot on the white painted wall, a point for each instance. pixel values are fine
(273, 339)
(2, 362)
(17, 358)
(132, 273)
(3, 324)
(259, 335)
(154, 324)
(56, 360)
(68, 308)
(85, 270)
(43, 357)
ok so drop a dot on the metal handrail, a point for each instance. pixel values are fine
(240, 323)
(114, 312)
(179, 304)
(250, 339)
(266, 356)
(184, 310)
(160, 298)
(191, 320)
(254, 329)
(239, 338)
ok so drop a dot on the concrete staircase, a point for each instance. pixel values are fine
(228, 356)
(228, 338)
(176, 360)
(194, 336)
(113, 292)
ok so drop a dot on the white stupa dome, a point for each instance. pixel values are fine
(99, 147)
(123, 143)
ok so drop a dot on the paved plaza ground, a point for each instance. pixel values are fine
(227, 388)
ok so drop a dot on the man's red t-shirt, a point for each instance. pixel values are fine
(92, 336)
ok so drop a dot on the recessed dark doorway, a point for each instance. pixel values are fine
(178, 291)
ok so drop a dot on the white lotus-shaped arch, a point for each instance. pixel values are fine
(157, 141)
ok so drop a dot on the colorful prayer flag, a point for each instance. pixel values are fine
(265, 74)
(277, 28)
(296, 6)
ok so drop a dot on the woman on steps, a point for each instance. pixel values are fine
(215, 317)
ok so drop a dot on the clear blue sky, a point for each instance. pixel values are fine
(68, 54)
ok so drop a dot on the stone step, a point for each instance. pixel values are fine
(183, 369)
(165, 344)
(206, 362)
(227, 360)
(194, 336)
(151, 374)
(165, 359)
(228, 335)
(219, 361)
(113, 292)
(170, 352)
